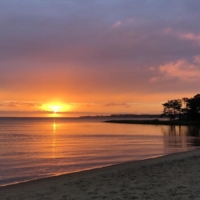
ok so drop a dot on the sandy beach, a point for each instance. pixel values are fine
(175, 176)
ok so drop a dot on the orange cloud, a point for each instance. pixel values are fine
(126, 105)
(18, 104)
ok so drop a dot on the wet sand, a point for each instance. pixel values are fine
(175, 176)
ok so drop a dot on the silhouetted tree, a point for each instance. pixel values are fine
(172, 109)
(187, 108)
(193, 107)
(184, 109)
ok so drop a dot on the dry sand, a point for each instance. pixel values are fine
(169, 177)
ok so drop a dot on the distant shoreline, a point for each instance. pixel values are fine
(156, 122)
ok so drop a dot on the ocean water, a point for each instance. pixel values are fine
(35, 148)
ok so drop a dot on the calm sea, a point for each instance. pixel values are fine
(35, 148)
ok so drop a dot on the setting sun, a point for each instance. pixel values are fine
(56, 107)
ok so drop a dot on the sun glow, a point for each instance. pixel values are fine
(56, 107)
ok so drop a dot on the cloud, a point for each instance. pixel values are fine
(197, 59)
(19, 104)
(182, 69)
(191, 37)
(126, 22)
(117, 24)
(184, 35)
(102, 104)
(154, 79)
(152, 68)
(126, 105)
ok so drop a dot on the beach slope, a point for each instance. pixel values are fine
(174, 176)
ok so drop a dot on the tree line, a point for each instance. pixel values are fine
(185, 108)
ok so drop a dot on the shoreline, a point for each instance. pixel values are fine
(87, 169)
(156, 122)
(127, 179)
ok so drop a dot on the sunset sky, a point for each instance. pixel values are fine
(88, 57)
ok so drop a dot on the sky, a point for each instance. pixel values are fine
(97, 57)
